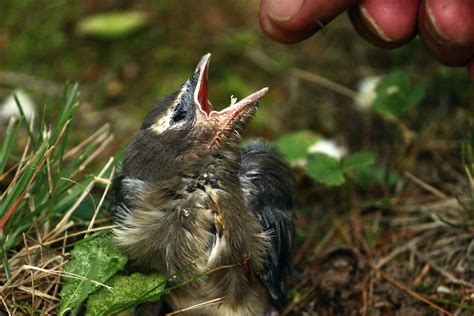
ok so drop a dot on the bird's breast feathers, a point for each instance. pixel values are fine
(181, 222)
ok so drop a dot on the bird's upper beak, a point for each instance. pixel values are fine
(224, 118)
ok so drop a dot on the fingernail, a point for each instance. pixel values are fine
(374, 25)
(432, 27)
(282, 10)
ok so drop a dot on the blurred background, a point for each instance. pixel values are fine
(127, 54)
(123, 70)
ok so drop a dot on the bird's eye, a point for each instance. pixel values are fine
(179, 115)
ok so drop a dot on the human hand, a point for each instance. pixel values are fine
(446, 27)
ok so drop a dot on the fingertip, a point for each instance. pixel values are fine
(387, 24)
(447, 30)
(453, 20)
(284, 36)
(282, 10)
(296, 20)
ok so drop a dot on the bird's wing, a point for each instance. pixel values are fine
(267, 183)
(124, 192)
(117, 193)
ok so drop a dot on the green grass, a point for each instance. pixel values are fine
(46, 182)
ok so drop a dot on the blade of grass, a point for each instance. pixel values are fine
(8, 140)
(12, 200)
(67, 111)
(6, 264)
(41, 126)
(24, 121)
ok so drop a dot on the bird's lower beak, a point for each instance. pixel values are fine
(224, 118)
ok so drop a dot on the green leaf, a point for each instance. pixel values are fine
(294, 145)
(370, 177)
(112, 25)
(128, 291)
(357, 160)
(95, 259)
(325, 169)
(396, 94)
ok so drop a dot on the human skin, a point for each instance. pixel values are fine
(446, 27)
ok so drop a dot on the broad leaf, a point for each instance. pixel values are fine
(294, 145)
(112, 25)
(95, 260)
(127, 291)
(369, 177)
(396, 94)
(357, 160)
(325, 169)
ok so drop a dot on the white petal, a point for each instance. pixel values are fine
(366, 91)
(328, 147)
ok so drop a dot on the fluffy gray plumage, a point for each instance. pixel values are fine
(188, 200)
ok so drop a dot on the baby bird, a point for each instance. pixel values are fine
(189, 201)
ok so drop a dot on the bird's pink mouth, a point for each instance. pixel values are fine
(230, 113)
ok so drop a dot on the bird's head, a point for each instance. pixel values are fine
(183, 129)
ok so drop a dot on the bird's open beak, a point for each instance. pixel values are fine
(223, 118)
